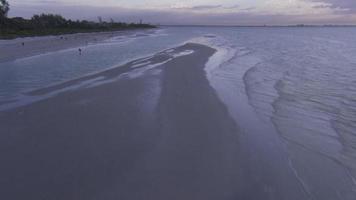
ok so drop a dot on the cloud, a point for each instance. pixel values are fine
(248, 8)
(195, 8)
(271, 12)
(206, 7)
(234, 6)
(48, 2)
(322, 6)
(347, 5)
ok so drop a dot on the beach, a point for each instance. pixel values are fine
(31, 46)
(232, 113)
(121, 140)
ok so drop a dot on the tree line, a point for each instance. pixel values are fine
(52, 24)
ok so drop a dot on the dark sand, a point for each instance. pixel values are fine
(155, 137)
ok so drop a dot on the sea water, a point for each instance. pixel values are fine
(301, 85)
(292, 92)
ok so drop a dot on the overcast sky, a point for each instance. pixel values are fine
(204, 12)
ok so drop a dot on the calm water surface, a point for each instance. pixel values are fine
(297, 84)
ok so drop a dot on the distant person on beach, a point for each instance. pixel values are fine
(80, 51)
(23, 44)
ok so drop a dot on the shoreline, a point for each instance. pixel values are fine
(65, 32)
(136, 129)
(266, 124)
(157, 127)
(11, 50)
(130, 69)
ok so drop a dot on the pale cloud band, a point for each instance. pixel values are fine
(224, 12)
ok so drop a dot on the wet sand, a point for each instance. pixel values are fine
(155, 129)
(161, 135)
(151, 129)
(13, 49)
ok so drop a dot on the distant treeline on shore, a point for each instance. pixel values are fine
(50, 24)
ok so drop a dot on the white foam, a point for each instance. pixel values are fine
(141, 64)
(141, 71)
(169, 50)
(223, 53)
(183, 53)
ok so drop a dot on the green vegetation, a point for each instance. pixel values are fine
(49, 24)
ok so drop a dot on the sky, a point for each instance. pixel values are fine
(197, 12)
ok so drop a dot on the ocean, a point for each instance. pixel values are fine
(291, 91)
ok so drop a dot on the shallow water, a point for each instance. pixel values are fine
(303, 82)
(23, 75)
(292, 92)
